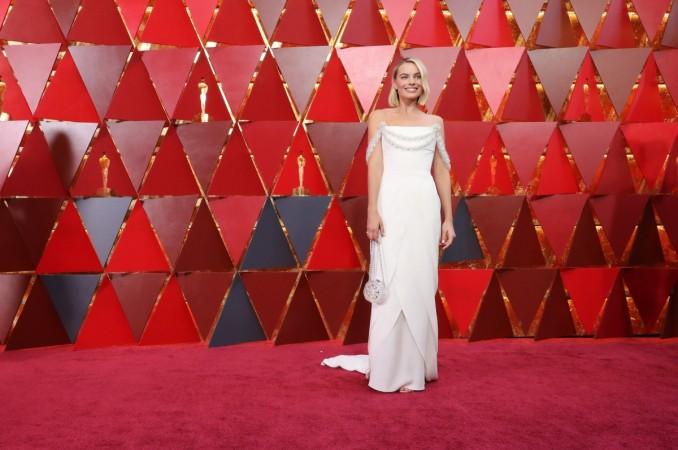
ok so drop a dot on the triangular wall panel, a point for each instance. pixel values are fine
(89, 180)
(32, 65)
(66, 97)
(132, 12)
(302, 321)
(135, 97)
(299, 25)
(38, 324)
(169, 24)
(137, 293)
(189, 106)
(15, 255)
(205, 292)
(171, 321)
(204, 248)
(137, 248)
(105, 324)
(64, 11)
(365, 25)
(170, 159)
(170, 217)
(169, 69)
(238, 321)
(11, 134)
(203, 142)
(44, 26)
(235, 25)
(71, 296)
(234, 66)
(235, 173)
(91, 62)
(237, 216)
(69, 249)
(13, 287)
(300, 153)
(35, 218)
(99, 22)
(14, 101)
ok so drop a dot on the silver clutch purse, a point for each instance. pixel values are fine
(375, 288)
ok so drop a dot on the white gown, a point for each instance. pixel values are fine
(403, 335)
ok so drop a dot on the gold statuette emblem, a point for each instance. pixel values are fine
(586, 115)
(204, 117)
(104, 164)
(300, 190)
(3, 86)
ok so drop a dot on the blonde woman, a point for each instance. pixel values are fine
(408, 185)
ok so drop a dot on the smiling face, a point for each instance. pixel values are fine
(408, 81)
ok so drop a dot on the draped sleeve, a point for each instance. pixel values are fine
(440, 143)
(373, 142)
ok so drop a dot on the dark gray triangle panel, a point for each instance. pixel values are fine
(302, 217)
(268, 248)
(238, 321)
(465, 245)
(103, 218)
(70, 295)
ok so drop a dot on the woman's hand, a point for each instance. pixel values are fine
(375, 227)
(447, 234)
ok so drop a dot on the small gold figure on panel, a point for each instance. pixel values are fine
(300, 190)
(493, 189)
(104, 164)
(3, 86)
(586, 115)
(204, 117)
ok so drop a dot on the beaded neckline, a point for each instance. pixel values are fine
(434, 125)
(437, 138)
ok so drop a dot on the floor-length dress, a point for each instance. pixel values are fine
(403, 335)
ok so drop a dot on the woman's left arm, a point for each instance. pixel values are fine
(441, 176)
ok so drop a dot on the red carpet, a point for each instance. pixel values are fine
(564, 393)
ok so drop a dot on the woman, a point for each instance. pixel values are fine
(408, 182)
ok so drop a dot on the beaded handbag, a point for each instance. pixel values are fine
(375, 288)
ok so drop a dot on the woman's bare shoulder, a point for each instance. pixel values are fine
(377, 116)
(380, 113)
(434, 119)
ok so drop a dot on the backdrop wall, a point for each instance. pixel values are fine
(560, 119)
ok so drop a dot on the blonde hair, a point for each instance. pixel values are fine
(393, 98)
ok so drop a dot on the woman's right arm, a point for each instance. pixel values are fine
(375, 169)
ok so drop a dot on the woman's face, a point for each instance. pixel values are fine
(408, 81)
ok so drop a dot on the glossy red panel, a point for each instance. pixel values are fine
(302, 321)
(269, 292)
(171, 321)
(105, 324)
(203, 249)
(491, 321)
(365, 25)
(428, 27)
(137, 249)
